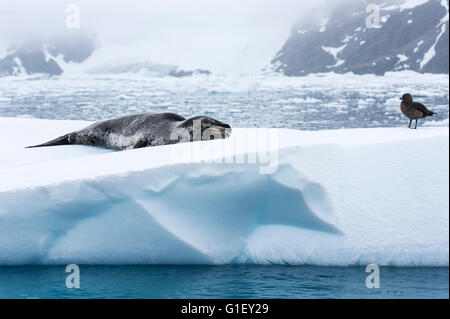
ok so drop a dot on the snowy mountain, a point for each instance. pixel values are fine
(47, 56)
(353, 37)
(57, 55)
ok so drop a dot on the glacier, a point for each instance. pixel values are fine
(264, 196)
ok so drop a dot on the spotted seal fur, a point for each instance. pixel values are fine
(144, 130)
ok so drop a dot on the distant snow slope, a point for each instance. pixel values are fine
(334, 198)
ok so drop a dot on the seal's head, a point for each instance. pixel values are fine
(406, 98)
(203, 128)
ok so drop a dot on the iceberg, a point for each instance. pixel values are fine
(263, 196)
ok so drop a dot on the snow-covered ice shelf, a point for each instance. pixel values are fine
(342, 197)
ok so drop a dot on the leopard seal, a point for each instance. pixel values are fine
(144, 130)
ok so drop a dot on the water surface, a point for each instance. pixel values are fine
(229, 281)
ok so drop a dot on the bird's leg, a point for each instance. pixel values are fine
(416, 124)
(410, 121)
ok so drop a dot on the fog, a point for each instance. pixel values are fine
(221, 35)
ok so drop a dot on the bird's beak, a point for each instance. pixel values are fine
(400, 98)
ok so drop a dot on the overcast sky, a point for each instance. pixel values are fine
(222, 35)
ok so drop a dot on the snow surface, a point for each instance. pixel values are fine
(341, 197)
(406, 4)
(323, 24)
(402, 58)
(334, 52)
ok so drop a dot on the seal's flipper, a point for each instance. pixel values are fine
(142, 143)
(63, 140)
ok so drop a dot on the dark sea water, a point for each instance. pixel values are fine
(316, 102)
(230, 281)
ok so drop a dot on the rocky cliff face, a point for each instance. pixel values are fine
(52, 56)
(406, 35)
(46, 56)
